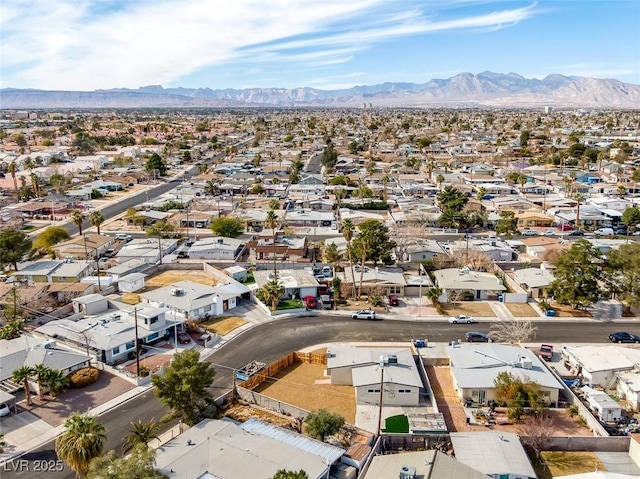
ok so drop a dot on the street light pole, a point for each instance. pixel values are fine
(381, 392)
(135, 319)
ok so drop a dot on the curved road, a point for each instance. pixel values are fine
(269, 341)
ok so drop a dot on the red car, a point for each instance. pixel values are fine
(565, 227)
(310, 302)
(184, 338)
(393, 300)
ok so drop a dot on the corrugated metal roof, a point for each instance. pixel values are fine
(328, 452)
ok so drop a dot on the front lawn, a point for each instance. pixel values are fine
(398, 424)
(471, 308)
(223, 326)
(290, 304)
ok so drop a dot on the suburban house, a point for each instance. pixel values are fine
(149, 250)
(89, 246)
(290, 248)
(498, 454)
(66, 292)
(222, 448)
(15, 353)
(309, 218)
(377, 280)
(476, 284)
(533, 280)
(191, 300)
(361, 368)
(216, 248)
(627, 387)
(600, 364)
(297, 283)
(431, 464)
(475, 366)
(420, 249)
(111, 335)
(533, 219)
(55, 271)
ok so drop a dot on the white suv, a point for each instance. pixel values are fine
(364, 314)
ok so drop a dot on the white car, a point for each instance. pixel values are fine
(529, 233)
(461, 318)
(364, 314)
(4, 410)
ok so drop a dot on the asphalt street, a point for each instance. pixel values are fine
(269, 341)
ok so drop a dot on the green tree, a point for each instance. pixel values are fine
(636, 175)
(140, 434)
(211, 188)
(22, 376)
(14, 327)
(274, 204)
(440, 180)
(329, 158)
(631, 218)
(77, 217)
(183, 387)
(12, 169)
(332, 254)
(322, 423)
(41, 371)
(56, 381)
(96, 219)
(524, 138)
(480, 193)
(155, 162)
(227, 227)
(453, 219)
(133, 215)
(576, 275)
(285, 474)
(372, 244)
(517, 393)
(451, 199)
(14, 245)
(507, 224)
(257, 189)
(50, 237)
(433, 294)
(623, 267)
(139, 464)
(271, 293)
(82, 441)
(516, 178)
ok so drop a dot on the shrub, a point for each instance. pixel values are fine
(83, 377)
(573, 410)
(376, 301)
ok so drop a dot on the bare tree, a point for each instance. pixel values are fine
(474, 260)
(513, 332)
(85, 337)
(536, 431)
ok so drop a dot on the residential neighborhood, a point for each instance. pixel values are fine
(351, 293)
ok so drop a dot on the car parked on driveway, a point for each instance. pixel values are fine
(476, 337)
(624, 337)
(310, 302)
(393, 300)
(4, 410)
(461, 318)
(364, 314)
(184, 338)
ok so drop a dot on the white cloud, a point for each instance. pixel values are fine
(83, 44)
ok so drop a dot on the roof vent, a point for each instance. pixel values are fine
(407, 472)
(176, 291)
(393, 359)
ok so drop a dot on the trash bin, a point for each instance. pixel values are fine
(500, 298)
(550, 312)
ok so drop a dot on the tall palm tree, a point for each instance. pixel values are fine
(440, 180)
(96, 219)
(273, 291)
(211, 188)
(35, 183)
(578, 197)
(12, 168)
(271, 221)
(78, 218)
(22, 376)
(274, 204)
(140, 433)
(433, 294)
(348, 232)
(56, 381)
(384, 180)
(41, 371)
(82, 441)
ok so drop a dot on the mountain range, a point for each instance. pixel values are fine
(485, 89)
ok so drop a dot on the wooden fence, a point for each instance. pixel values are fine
(281, 364)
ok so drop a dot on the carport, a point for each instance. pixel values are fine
(9, 400)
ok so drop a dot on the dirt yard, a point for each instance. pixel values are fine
(521, 310)
(170, 277)
(561, 463)
(470, 309)
(224, 326)
(305, 386)
(564, 311)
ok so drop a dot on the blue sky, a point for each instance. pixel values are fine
(326, 44)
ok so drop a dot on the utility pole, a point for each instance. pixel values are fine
(381, 392)
(135, 319)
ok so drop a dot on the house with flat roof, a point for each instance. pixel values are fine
(148, 250)
(481, 285)
(497, 454)
(366, 368)
(297, 282)
(224, 449)
(431, 464)
(475, 366)
(89, 246)
(533, 280)
(599, 364)
(216, 248)
(55, 271)
(390, 280)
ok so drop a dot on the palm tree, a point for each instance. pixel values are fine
(133, 215)
(140, 433)
(348, 232)
(271, 221)
(211, 188)
(440, 180)
(274, 204)
(82, 441)
(23, 375)
(433, 294)
(96, 219)
(56, 381)
(35, 182)
(78, 218)
(273, 291)
(12, 168)
(41, 371)
(578, 197)
(481, 192)
(384, 180)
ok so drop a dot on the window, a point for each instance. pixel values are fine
(404, 391)
(207, 307)
(373, 391)
(151, 320)
(394, 290)
(153, 336)
(130, 345)
(115, 350)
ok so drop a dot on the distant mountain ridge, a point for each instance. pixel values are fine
(486, 89)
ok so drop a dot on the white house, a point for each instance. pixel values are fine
(131, 283)
(480, 285)
(216, 248)
(599, 364)
(147, 250)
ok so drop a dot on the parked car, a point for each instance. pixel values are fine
(549, 233)
(4, 410)
(565, 227)
(124, 237)
(476, 337)
(393, 300)
(620, 231)
(576, 233)
(310, 302)
(624, 337)
(529, 233)
(320, 278)
(184, 338)
(461, 318)
(546, 352)
(203, 338)
(364, 314)
(604, 231)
